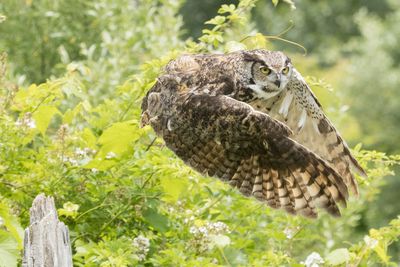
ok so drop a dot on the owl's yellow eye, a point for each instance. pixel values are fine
(285, 70)
(265, 70)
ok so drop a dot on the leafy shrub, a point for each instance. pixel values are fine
(127, 200)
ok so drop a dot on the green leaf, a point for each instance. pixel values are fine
(173, 187)
(9, 252)
(338, 256)
(11, 223)
(233, 46)
(256, 41)
(100, 164)
(43, 116)
(69, 210)
(275, 2)
(118, 138)
(218, 20)
(70, 114)
(115, 142)
(382, 253)
(290, 3)
(89, 138)
(227, 9)
(156, 220)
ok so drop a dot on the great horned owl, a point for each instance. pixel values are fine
(250, 119)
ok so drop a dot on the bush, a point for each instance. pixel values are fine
(127, 200)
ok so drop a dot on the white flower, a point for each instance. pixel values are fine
(80, 152)
(313, 260)
(89, 151)
(218, 228)
(228, 200)
(193, 230)
(203, 230)
(190, 219)
(289, 233)
(142, 245)
(94, 170)
(209, 235)
(1, 221)
(73, 162)
(84, 152)
(31, 123)
(330, 243)
(26, 121)
(111, 155)
(370, 242)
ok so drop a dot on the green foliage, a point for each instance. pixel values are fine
(127, 200)
(382, 37)
(321, 26)
(10, 237)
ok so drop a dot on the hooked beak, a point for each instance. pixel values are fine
(277, 82)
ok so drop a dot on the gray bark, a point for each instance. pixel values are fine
(46, 241)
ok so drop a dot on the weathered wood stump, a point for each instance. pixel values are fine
(46, 241)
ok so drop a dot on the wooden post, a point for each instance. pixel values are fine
(46, 241)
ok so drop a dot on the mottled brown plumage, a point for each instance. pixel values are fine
(250, 119)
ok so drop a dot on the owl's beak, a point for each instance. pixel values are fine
(277, 81)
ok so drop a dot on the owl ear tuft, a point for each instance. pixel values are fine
(252, 57)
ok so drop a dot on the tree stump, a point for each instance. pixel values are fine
(46, 240)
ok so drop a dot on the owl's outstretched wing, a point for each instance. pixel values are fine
(226, 138)
(298, 108)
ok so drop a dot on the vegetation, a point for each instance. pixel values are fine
(72, 76)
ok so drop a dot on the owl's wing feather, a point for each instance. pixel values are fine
(298, 108)
(223, 137)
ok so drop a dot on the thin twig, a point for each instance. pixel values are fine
(151, 144)
(223, 256)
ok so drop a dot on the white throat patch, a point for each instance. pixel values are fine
(258, 89)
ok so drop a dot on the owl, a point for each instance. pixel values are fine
(250, 119)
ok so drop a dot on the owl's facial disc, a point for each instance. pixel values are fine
(270, 79)
(273, 77)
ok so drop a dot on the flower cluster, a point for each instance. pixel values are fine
(209, 235)
(142, 246)
(290, 232)
(26, 121)
(84, 152)
(370, 242)
(313, 260)
(81, 156)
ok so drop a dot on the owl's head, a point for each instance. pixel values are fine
(269, 71)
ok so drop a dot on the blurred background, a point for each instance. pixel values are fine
(352, 47)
